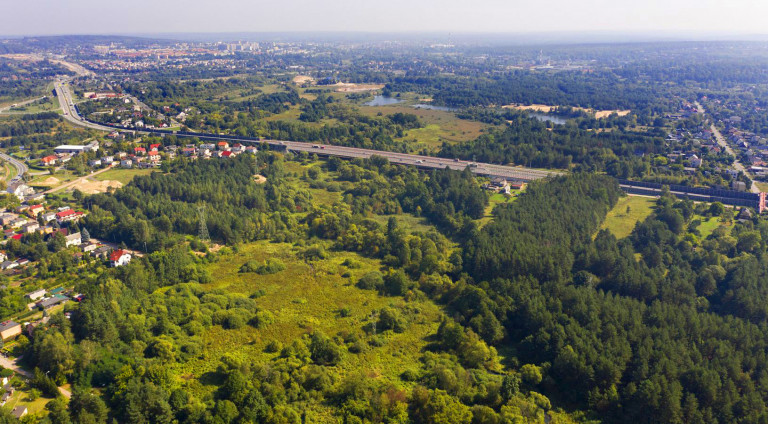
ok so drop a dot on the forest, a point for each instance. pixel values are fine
(544, 312)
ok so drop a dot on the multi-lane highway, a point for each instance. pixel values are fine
(426, 162)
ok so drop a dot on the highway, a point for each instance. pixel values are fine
(424, 162)
(21, 167)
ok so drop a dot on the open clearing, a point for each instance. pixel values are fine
(303, 79)
(306, 297)
(547, 109)
(621, 222)
(93, 187)
(440, 126)
(123, 176)
(347, 87)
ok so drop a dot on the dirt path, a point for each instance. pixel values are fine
(14, 366)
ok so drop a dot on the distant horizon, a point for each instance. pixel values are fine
(515, 38)
(649, 17)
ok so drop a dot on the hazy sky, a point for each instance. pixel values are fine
(37, 17)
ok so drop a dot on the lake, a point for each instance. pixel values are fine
(383, 101)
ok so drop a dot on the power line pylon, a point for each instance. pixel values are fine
(203, 233)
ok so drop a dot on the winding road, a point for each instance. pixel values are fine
(21, 167)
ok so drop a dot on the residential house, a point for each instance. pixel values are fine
(30, 227)
(18, 222)
(9, 329)
(8, 265)
(22, 262)
(3, 257)
(89, 247)
(48, 217)
(7, 219)
(126, 163)
(93, 163)
(119, 257)
(66, 216)
(19, 411)
(101, 252)
(49, 160)
(20, 190)
(222, 145)
(695, 161)
(73, 240)
(52, 301)
(36, 210)
(35, 295)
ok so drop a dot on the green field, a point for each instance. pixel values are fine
(123, 175)
(498, 199)
(708, 225)
(306, 297)
(620, 222)
(440, 126)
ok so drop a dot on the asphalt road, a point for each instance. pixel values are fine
(24, 103)
(724, 144)
(21, 167)
(426, 162)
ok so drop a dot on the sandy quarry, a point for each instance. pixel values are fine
(546, 109)
(93, 187)
(259, 179)
(346, 87)
(302, 79)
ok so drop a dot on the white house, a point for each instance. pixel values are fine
(74, 239)
(119, 257)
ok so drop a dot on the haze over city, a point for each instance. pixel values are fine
(653, 18)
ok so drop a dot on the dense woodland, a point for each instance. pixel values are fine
(541, 315)
(662, 326)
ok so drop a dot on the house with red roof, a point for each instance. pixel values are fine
(49, 160)
(139, 151)
(119, 257)
(155, 146)
(68, 215)
(223, 145)
(36, 210)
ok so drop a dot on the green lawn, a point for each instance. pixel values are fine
(498, 199)
(620, 222)
(123, 175)
(708, 225)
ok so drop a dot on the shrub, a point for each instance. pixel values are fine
(389, 319)
(323, 350)
(371, 281)
(270, 266)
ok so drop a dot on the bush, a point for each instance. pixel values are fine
(262, 319)
(371, 281)
(273, 346)
(270, 266)
(389, 319)
(323, 350)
